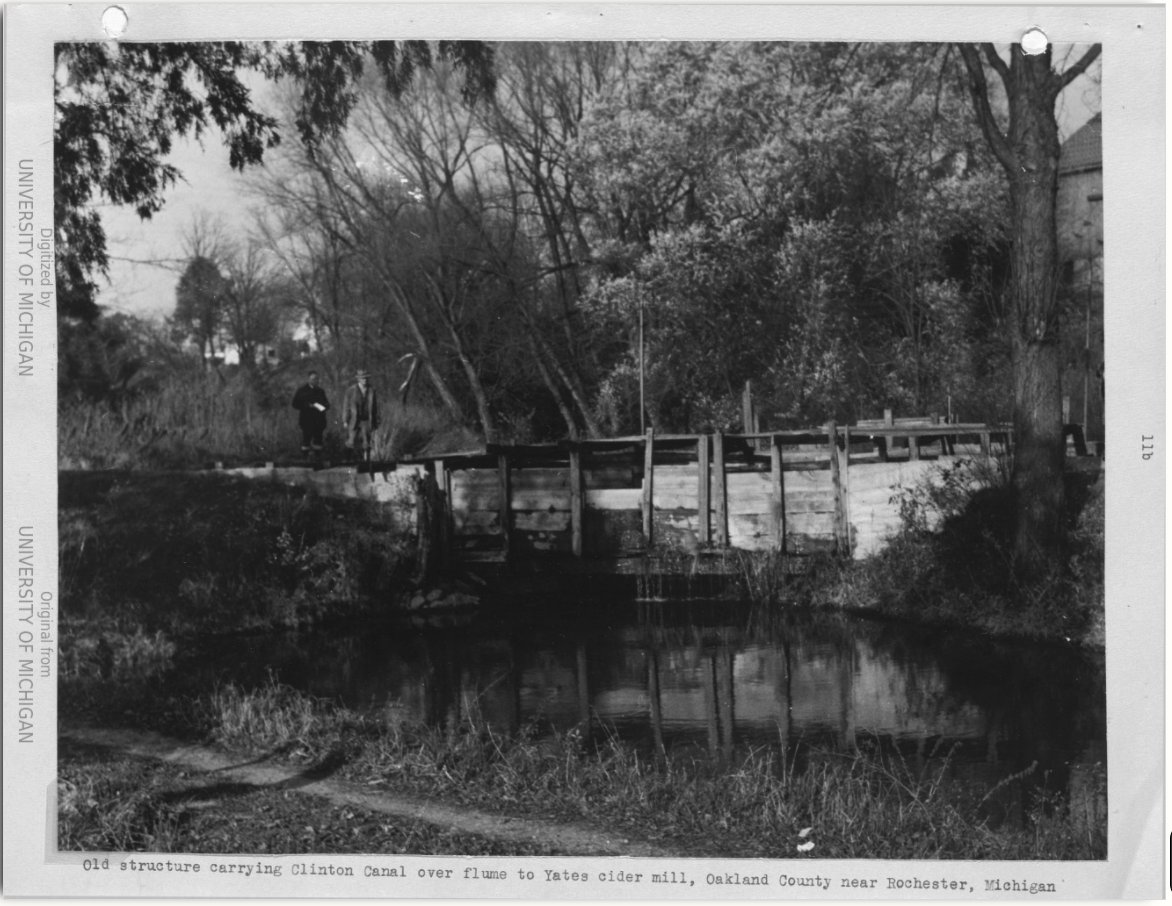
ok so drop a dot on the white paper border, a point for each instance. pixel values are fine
(1133, 104)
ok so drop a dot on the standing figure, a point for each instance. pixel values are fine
(360, 415)
(310, 401)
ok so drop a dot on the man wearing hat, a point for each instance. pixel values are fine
(360, 414)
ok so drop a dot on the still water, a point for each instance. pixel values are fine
(712, 677)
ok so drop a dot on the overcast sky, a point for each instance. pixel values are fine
(210, 185)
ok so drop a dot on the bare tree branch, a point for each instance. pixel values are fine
(998, 64)
(979, 89)
(1080, 67)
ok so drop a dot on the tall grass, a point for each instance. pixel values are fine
(195, 417)
(183, 420)
(848, 804)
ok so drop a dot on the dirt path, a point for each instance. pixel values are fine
(570, 839)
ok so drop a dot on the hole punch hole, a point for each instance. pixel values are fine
(114, 21)
(1034, 42)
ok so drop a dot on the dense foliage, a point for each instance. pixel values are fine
(564, 239)
(823, 220)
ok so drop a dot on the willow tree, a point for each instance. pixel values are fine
(1027, 146)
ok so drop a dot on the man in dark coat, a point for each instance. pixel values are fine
(360, 414)
(310, 401)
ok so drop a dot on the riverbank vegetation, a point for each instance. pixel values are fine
(952, 563)
(862, 803)
(172, 554)
(151, 561)
(110, 803)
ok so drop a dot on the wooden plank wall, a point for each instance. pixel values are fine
(873, 498)
(743, 510)
(615, 501)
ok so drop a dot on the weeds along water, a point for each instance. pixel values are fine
(869, 802)
(149, 562)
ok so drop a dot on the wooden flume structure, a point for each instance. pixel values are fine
(607, 505)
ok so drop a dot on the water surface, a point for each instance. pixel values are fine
(711, 677)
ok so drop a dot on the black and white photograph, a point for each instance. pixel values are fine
(635, 455)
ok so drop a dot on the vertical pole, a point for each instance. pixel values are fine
(583, 690)
(836, 483)
(642, 368)
(653, 698)
(721, 489)
(913, 447)
(888, 442)
(648, 483)
(985, 444)
(726, 705)
(846, 678)
(844, 514)
(449, 513)
(576, 502)
(703, 488)
(443, 483)
(1086, 362)
(778, 494)
(506, 501)
(708, 681)
(747, 415)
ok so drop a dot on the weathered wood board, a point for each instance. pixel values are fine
(540, 516)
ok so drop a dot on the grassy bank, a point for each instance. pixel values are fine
(193, 417)
(148, 559)
(147, 556)
(862, 803)
(111, 803)
(848, 804)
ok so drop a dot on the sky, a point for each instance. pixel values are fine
(209, 186)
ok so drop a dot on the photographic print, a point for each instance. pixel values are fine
(654, 463)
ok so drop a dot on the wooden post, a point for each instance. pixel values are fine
(703, 497)
(443, 481)
(724, 697)
(708, 679)
(836, 482)
(576, 502)
(844, 514)
(985, 446)
(583, 690)
(721, 489)
(913, 447)
(506, 501)
(778, 495)
(653, 698)
(648, 483)
(748, 413)
(887, 443)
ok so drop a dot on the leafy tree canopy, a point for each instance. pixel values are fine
(120, 107)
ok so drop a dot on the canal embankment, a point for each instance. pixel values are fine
(152, 563)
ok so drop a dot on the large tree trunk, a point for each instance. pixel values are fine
(1037, 367)
(1028, 150)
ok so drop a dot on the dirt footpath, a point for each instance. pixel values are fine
(571, 839)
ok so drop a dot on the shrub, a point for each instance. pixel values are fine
(952, 563)
(218, 553)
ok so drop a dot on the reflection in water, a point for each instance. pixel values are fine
(678, 676)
